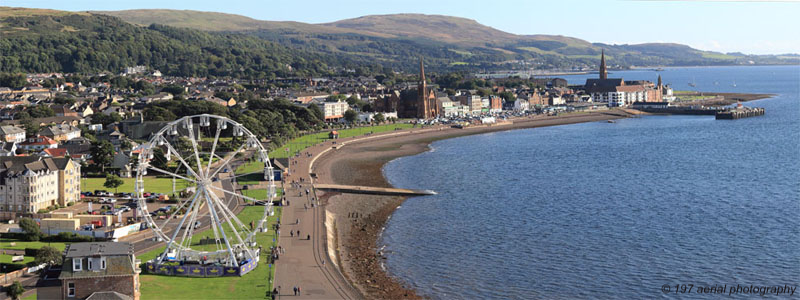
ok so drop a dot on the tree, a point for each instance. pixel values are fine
(31, 127)
(113, 182)
(379, 118)
(174, 89)
(350, 116)
(41, 111)
(15, 290)
(157, 113)
(102, 154)
(48, 255)
(106, 119)
(316, 111)
(14, 81)
(31, 229)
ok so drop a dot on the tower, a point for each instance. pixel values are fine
(659, 82)
(423, 108)
(603, 71)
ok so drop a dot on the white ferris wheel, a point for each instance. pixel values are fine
(210, 155)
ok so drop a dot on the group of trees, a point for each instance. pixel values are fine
(96, 43)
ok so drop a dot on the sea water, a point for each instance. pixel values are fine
(609, 210)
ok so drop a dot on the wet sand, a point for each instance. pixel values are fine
(358, 220)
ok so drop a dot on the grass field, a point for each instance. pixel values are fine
(151, 184)
(5, 243)
(260, 193)
(253, 285)
(254, 167)
(298, 144)
(31, 297)
(6, 259)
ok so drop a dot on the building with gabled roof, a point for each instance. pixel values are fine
(39, 143)
(100, 270)
(61, 132)
(10, 133)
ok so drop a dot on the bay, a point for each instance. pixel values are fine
(609, 210)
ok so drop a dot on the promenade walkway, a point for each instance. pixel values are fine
(302, 264)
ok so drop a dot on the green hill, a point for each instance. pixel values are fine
(183, 42)
(395, 41)
(53, 41)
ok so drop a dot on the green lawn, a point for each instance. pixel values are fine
(31, 297)
(151, 184)
(253, 285)
(261, 194)
(5, 243)
(6, 259)
(298, 144)
(255, 171)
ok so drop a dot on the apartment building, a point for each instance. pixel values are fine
(31, 183)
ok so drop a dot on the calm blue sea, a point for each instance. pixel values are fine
(609, 210)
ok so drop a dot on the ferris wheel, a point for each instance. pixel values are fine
(210, 155)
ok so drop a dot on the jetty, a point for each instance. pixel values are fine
(372, 190)
(739, 112)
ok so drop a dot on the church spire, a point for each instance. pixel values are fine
(659, 81)
(603, 71)
(421, 71)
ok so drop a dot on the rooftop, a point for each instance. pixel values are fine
(97, 249)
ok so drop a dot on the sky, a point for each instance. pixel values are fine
(752, 27)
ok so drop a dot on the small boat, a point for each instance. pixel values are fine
(612, 121)
(692, 84)
(734, 83)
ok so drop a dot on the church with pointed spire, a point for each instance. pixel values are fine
(426, 98)
(618, 92)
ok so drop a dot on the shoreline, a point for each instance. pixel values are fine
(358, 221)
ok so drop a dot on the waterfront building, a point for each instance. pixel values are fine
(495, 104)
(426, 99)
(521, 105)
(334, 111)
(618, 92)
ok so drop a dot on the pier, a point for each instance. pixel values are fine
(373, 190)
(739, 112)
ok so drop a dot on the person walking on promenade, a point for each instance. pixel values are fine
(291, 233)
(295, 290)
(298, 291)
(308, 237)
(297, 222)
(298, 233)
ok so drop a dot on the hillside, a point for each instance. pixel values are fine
(53, 41)
(205, 43)
(446, 42)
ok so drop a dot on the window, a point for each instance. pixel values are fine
(71, 289)
(76, 264)
(89, 264)
(103, 263)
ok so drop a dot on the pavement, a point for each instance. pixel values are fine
(305, 262)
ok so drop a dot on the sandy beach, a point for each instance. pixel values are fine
(356, 220)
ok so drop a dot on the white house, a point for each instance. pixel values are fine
(521, 105)
(12, 134)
